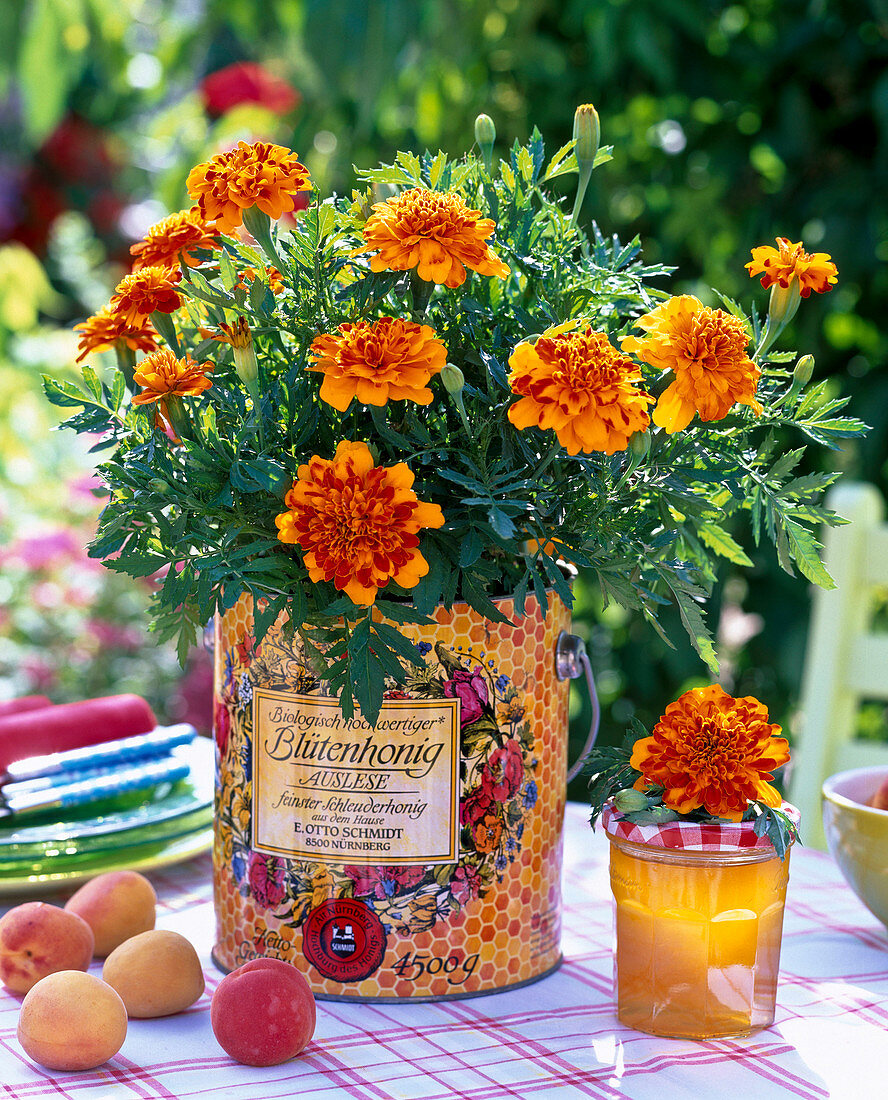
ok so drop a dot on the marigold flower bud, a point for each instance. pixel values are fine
(485, 130)
(804, 369)
(240, 338)
(640, 444)
(159, 486)
(453, 378)
(586, 134)
(783, 303)
(246, 364)
(630, 801)
(485, 135)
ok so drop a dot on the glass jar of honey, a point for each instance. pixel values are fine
(697, 932)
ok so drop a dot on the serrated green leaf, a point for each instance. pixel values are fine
(562, 162)
(92, 383)
(61, 393)
(785, 464)
(804, 549)
(717, 539)
(692, 619)
(227, 271)
(470, 548)
(396, 642)
(118, 390)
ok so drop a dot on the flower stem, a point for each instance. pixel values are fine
(461, 409)
(547, 461)
(126, 364)
(583, 177)
(178, 417)
(421, 289)
(253, 387)
(258, 224)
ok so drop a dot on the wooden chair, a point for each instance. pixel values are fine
(845, 661)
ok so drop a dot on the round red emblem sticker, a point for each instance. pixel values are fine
(344, 940)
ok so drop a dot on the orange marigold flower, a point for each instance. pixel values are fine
(706, 351)
(163, 377)
(170, 241)
(145, 291)
(263, 175)
(433, 231)
(790, 261)
(357, 523)
(712, 751)
(578, 384)
(108, 327)
(377, 361)
(273, 276)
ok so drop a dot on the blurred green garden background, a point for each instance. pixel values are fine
(731, 124)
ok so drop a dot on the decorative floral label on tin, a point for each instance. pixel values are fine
(331, 788)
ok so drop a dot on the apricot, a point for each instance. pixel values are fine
(37, 939)
(116, 905)
(263, 1013)
(156, 973)
(71, 1020)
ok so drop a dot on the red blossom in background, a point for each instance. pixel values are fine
(73, 169)
(247, 82)
(192, 700)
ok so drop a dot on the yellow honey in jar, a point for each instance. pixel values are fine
(697, 938)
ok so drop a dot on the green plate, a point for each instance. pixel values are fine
(103, 829)
(142, 857)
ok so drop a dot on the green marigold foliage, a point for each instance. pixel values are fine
(649, 522)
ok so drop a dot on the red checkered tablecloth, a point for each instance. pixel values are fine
(693, 836)
(557, 1038)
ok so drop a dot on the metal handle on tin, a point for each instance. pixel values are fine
(571, 661)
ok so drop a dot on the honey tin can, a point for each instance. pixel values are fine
(417, 860)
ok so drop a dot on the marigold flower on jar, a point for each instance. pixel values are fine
(580, 386)
(714, 752)
(706, 351)
(357, 523)
(263, 175)
(788, 262)
(146, 291)
(377, 362)
(433, 232)
(107, 328)
(163, 378)
(170, 241)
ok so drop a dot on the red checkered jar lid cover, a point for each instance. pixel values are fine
(690, 835)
